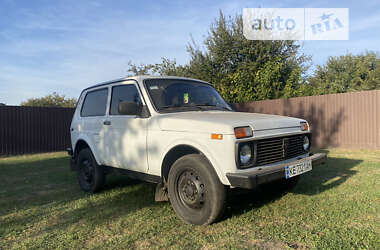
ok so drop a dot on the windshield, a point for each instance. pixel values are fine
(173, 95)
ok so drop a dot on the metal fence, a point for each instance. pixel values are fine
(349, 120)
(25, 130)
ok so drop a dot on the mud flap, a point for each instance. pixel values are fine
(161, 192)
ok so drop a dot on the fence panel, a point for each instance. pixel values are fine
(348, 120)
(25, 130)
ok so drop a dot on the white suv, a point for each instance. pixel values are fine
(181, 134)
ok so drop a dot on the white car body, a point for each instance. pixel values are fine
(141, 144)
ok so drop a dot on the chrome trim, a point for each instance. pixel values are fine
(265, 129)
(270, 136)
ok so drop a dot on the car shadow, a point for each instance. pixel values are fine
(117, 180)
(239, 201)
(334, 172)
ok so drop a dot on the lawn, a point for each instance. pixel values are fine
(335, 206)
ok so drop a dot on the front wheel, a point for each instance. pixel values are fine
(91, 176)
(195, 192)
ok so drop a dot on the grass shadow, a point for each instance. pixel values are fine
(120, 197)
(116, 180)
(41, 186)
(240, 201)
(110, 205)
(333, 173)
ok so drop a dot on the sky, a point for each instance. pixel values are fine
(65, 46)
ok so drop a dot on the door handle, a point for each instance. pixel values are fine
(107, 123)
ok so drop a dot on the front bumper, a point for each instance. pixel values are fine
(263, 175)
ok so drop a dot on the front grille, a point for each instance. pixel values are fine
(279, 149)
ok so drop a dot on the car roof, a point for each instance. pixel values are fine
(141, 78)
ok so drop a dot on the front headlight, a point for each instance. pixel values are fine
(306, 143)
(245, 154)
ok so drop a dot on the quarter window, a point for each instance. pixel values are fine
(95, 103)
(123, 93)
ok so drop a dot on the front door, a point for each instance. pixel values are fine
(125, 135)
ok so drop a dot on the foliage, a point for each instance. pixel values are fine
(52, 100)
(241, 70)
(166, 67)
(347, 73)
(245, 70)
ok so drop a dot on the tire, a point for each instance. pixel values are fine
(195, 192)
(91, 176)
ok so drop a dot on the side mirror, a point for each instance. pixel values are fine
(129, 108)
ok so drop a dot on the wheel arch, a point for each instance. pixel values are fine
(176, 152)
(81, 144)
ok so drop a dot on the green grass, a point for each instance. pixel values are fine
(335, 206)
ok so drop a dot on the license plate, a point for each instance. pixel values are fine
(297, 169)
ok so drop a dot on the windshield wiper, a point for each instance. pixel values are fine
(170, 106)
(179, 106)
(212, 105)
(197, 106)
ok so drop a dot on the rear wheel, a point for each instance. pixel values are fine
(195, 192)
(91, 176)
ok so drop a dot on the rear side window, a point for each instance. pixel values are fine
(95, 103)
(123, 93)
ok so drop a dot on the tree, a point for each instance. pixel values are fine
(166, 67)
(241, 70)
(52, 100)
(347, 73)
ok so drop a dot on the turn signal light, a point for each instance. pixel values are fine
(243, 132)
(217, 136)
(304, 126)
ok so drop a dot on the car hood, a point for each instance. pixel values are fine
(223, 122)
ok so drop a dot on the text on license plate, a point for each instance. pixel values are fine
(297, 169)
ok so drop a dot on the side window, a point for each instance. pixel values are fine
(95, 103)
(123, 93)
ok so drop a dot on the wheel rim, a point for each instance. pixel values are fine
(191, 189)
(87, 171)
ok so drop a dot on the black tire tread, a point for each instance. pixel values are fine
(99, 178)
(216, 190)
